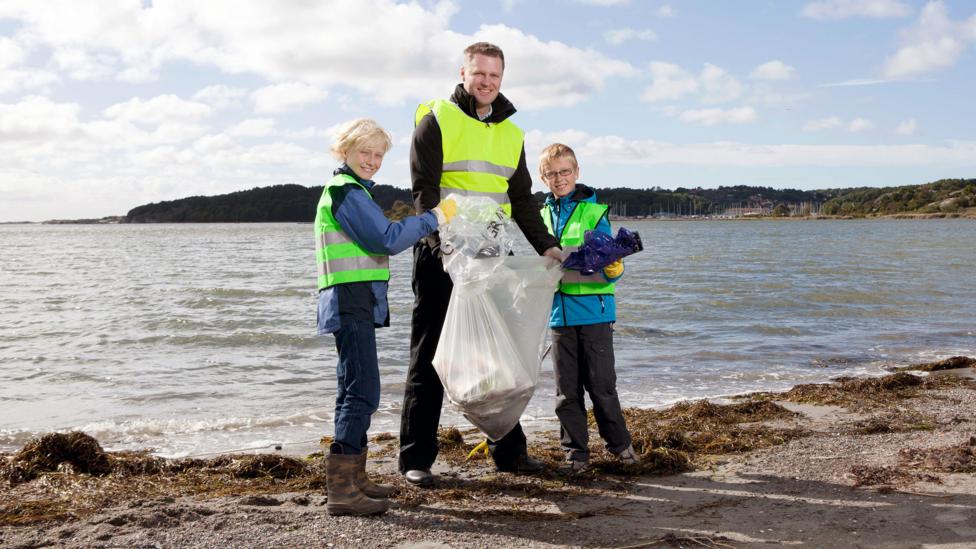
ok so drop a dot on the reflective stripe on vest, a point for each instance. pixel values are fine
(479, 157)
(584, 218)
(340, 259)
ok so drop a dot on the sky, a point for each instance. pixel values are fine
(109, 104)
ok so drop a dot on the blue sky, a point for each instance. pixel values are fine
(108, 105)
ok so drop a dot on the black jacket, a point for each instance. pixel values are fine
(427, 159)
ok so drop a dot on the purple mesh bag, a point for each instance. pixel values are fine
(600, 249)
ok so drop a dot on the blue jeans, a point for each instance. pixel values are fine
(357, 385)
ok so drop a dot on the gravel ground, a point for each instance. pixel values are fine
(804, 493)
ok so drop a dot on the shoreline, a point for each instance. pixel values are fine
(853, 463)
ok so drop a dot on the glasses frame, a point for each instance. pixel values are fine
(565, 172)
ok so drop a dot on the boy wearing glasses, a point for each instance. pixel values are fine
(583, 313)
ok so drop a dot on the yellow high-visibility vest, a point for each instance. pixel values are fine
(339, 258)
(584, 218)
(479, 157)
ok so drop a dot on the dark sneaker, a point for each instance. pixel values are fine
(628, 456)
(419, 477)
(572, 467)
(524, 465)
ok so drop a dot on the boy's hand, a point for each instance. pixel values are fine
(445, 211)
(614, 269)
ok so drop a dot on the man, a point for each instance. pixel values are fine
(464, 145)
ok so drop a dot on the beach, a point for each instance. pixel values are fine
(868, 462)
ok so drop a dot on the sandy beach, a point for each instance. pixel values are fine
(879, 462)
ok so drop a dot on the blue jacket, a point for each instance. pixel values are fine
(364, 221)
(578, 310)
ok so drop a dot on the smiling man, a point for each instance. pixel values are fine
(466, 145)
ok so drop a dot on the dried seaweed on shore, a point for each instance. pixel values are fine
(960, 458)
(71, 452)
(887, 476)
(893, 421)
(864, 393)
(951, 363)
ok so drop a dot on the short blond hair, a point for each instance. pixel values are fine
(552, 152)
(358, 132)
(483, 48)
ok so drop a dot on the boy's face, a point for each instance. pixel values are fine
(482, 77)
(560, 176)
(366, 158)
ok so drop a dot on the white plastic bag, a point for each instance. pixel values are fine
(491, 346)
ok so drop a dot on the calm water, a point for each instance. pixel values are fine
(191, 339)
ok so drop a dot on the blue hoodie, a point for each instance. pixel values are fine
(363, 220)
(578, 310)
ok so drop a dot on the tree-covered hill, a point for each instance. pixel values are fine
(291, 203)
(295, 203)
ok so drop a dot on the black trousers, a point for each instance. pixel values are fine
(582, 358)
(423, 394)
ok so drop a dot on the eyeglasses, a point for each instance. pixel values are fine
(565, 172)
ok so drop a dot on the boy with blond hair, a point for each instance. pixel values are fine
(354, 240)
(583, 313)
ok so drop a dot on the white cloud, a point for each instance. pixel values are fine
(773, 70)
(666, 11)
(612, 149)
(717, 85)
(823, 124)
(906, 128)
(81, 65)
(12, 80)
(670, 82)
(843, 9)
(11, 54)
(935, 42)
(37, 118)
(604, 3)
(541, 74)
(253, 127)
(418, 51)
(619, 36)
(711, 117)
(286, 97)
(855, 82)
(859, 125)
(159, 109)
(221, 96)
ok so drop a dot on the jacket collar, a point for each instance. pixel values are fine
(581, 193)
(501, 107)
(344, 169)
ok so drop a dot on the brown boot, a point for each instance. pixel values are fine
(345, 498)
(368, 487)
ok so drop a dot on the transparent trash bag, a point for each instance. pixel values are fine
(491, 345)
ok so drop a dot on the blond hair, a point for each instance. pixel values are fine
(483, 48)
(552, 152)
(357, 133)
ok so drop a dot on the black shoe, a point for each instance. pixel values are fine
(419, 477)
(524, 465)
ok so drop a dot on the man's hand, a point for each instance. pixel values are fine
(614, 269)
(554, 254)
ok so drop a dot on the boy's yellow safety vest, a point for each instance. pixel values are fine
(340, 259)
(479, 157)
(584, 218)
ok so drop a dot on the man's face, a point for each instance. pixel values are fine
(561, 175)
(482, 77)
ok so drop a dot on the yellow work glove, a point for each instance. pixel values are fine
(445, 211)
(614, 269)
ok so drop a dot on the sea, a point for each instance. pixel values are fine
(198, 339)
